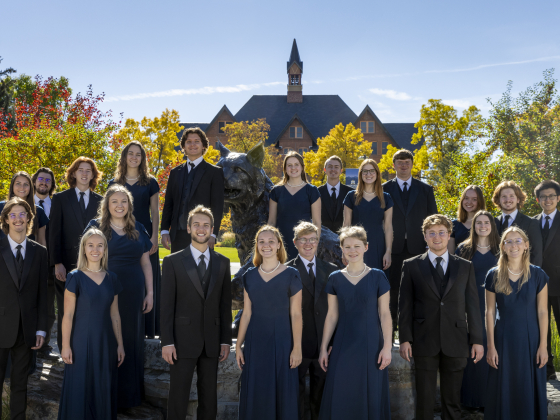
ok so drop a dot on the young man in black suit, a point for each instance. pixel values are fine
(23, 300)
(71, 211)
(414, 201)
(195, 182)
(547, 194)
(509, 198)
(45, 186)
(195, 318)
(332, 195)
(314, 274)
(439, 320)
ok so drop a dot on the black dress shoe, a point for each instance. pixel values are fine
(47, 354)
(552, 377)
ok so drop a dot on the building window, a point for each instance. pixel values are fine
(216, 145)
(294, 79)
(222, 125)
(374, 147)
(384, 145)
(296, 132)
(302, 151)
(286, 150)
(367, 127)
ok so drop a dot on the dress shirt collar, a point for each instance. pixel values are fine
(14, 244)
(551, 215)
(336, 187)
(512, 216)
(196, 255)
(445, 261)
(46, 203)
(401, 182)
(86, 196)
(307, 262)
(196, 161)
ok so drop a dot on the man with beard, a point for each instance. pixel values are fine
(45, 186)
(195, 318)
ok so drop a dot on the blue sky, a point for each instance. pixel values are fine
(197, 56)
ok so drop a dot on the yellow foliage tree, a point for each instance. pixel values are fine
(420, 161)
(346, 142)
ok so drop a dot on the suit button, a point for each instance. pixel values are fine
(441, 303)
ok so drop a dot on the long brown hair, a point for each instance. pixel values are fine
(97, 174)
(29, 199)
(469, 246)
(300, 159)
(377, 187)
(104, 215)
(143, 170)
(280, 254)
(501, 275)
(462, 214)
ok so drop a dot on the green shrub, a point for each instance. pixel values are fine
(228, 240)
(555, 344)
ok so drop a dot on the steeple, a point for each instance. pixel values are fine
(295, 70)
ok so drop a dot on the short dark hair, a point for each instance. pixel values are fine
(545, 185)
(334, 157)
(12, 202)
(199, 132)
(46, 171)
(403, 154)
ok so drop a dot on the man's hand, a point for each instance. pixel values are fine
(406, 351)
(477, 352)
(211, 242)
(169, 354)
(39, 340)
(60, 272)
(224, 352)
(166, 241)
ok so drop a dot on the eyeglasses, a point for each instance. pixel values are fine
(548, 197)
(441, 234)
(310, 240)
(42, 179)
(369, 171)
(13, 216)
(511, 242)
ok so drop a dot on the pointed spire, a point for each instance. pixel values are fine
(294, 57)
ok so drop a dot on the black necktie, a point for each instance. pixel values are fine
(333, 200)
(82, 201)
(439, 268)
(201, 269)
(41, 202)
(311, 274)
(505, 224)
(19, 261)
(546, 230)
(192, 166)
(405, 187)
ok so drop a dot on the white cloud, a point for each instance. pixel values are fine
(393, 94)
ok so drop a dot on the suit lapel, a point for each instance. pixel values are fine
(396, 194)
(91, 210)
(190, 267)
(339, 202)
(197, 177)
(9, 259)
(553, 230)
(424, 263)
(320, 279)
(27, 263)
(414, 190)
(76, 207)
(217, 271)
(453, 266)
(305, 279)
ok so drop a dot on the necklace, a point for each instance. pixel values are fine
(294, 186)
(368, 193)
(483, 247)
(94, 271)
(515, 274)
(364, 270)
(269, 272)
(116, 227)
(132, 179)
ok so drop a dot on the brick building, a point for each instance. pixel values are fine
(297, 120)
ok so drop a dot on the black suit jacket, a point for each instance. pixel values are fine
(314, 302)
(188, 320)
(432, 323)
(207, 189)
(421, 204)
(551, 255)
(330, 219)
(27, 302)
(67, 225)
(532, 228)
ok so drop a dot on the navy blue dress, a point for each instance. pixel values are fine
(460, 232)
(292, 209)
(141, 195)
(475, 375)
(269, 388)
(370, 215)
(89, 389)
(355, 388)
(41, 219)
(517, 389)
(124, 261)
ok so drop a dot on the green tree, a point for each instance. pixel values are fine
(346, 142)
(7, 97)
(420, 161)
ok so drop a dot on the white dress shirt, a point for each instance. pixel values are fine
(306, 263)
(551, 215)
(13, 246)
(86, 195)
(336, 189)
(46, 204)
(401, 183)
(196, 255)
(512, 216)
(444, 261)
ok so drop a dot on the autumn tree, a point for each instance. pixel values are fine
(420, 161)
(7, 97)
(346, 142)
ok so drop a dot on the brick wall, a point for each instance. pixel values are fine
(213, 132)
(378, 135)
(295, 143)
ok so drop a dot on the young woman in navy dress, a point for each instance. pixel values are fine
(368, 206)
(294, 200)
(481, 248)
(129, 247)
(92, 343)
(472, 200)
(270, 327)
(357, 384)
(517, 351)
(133, 172)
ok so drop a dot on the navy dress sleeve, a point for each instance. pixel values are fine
(383, 284)
(540, 277)
(144, 237)
(93, 223)
(331, 288)
(275, 193)
(154, 187)
(313, 193)
(349, 199)
(117, 286)
(489, 283)
(42, 216)
(459, 249)
(295, 283)
(72, 282)
(111, 182)
(388, 201)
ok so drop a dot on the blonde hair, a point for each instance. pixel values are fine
(377, 187)
(200, 209)
(437, 219)
(304, 228)
(356, 232)
(104, 215)
(280, 254)
(501, 275)
(82, 258)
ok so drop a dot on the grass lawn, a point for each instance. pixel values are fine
(230, 253)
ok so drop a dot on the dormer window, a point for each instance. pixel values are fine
(222, 125)
(294, 79)
(296, 132)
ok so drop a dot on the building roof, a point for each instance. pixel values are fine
(319, 113)
(402, 134)
(294, 57)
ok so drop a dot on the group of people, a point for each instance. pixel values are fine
(468, 298)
